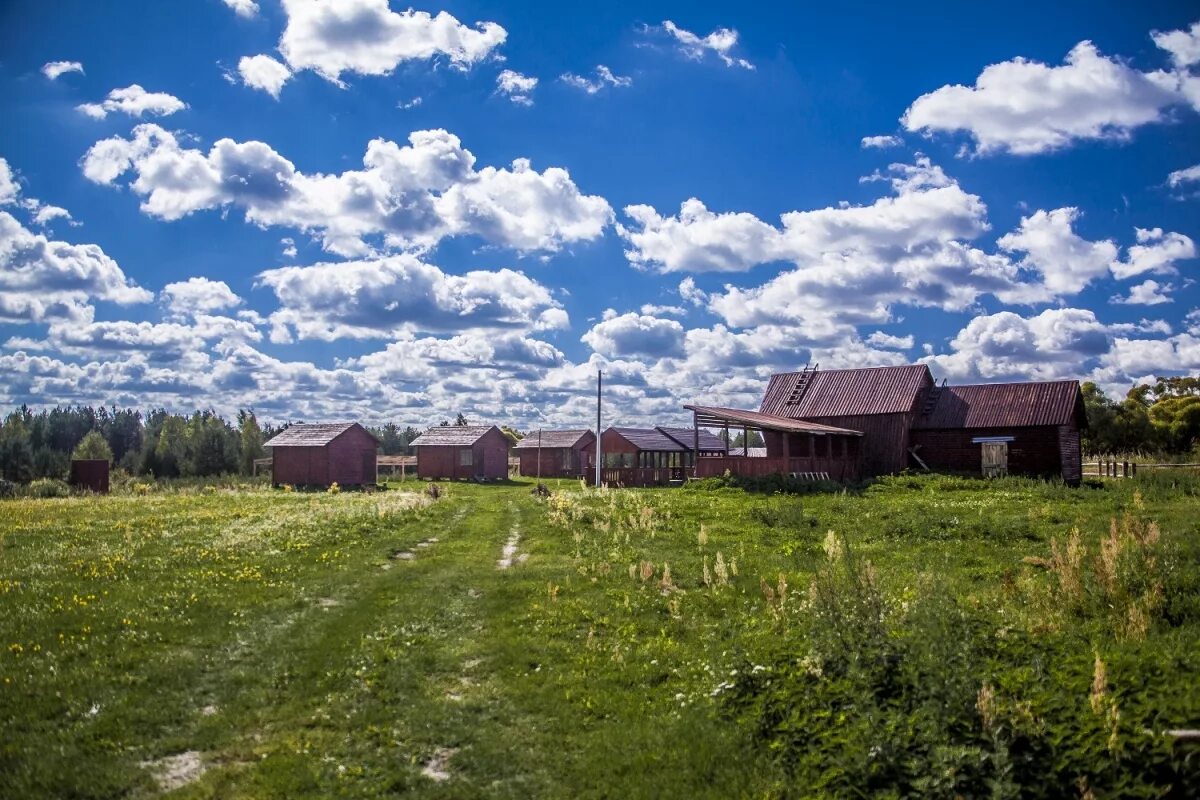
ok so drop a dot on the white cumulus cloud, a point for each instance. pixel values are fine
(516, 87)
(265, 73)
(1026, 107)
(408, 197)
(54, 69)
(243, 8)
(134, 101)
(367, 38)
(380, 298)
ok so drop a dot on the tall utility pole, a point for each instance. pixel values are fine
(539, 477)
(599, 455)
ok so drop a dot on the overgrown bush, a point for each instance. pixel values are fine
(47, 487)
(867, 693)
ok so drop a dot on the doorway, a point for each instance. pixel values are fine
(995, 459)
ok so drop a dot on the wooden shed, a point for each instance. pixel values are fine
(1029, 428)
(90, 474)
(452, 452)
(322, 453)
(563, 454)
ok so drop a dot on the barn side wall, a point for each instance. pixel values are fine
(1033, 451)
(1070, 453)
(300, 466)
(885, 440)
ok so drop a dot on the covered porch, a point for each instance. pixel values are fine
(794, 446)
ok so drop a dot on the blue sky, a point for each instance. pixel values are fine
(345, 209)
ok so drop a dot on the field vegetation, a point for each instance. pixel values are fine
(921, 636)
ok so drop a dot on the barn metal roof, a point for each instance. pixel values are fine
(553, 439)
(716, 415)
(708, 440)
(451, 436)
(310, 434)
(649, 439)
(1005, 405)
(846, 392)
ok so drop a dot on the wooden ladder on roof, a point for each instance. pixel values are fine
(931, 399)
(803, 381)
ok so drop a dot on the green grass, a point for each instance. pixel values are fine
(284, 639)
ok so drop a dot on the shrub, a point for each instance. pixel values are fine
(334, 488)
(93, 446)
(48, 487)
(861, 694)
(7, 488)
(433, 490)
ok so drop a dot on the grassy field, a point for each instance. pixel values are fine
(925, 636)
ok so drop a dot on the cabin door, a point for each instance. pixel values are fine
(370, 469)
(995, 459)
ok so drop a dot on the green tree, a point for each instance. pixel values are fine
(461, 421)
(171, 449)
(251, 441)
(16, 454)
(93, 446)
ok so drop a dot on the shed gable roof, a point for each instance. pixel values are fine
(312, 434)
(685, 436)
(1005, 405)
(452, 436)
(649, 439)
(846, 392)
(553, 439)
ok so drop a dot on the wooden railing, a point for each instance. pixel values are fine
(838, 469)
(642, 476)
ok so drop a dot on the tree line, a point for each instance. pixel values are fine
(1157, 418)
(157, 443)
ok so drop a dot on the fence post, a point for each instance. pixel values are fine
(1133, 467)
(1125, 469)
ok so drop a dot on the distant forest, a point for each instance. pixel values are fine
(41, 444)
(1162, 418)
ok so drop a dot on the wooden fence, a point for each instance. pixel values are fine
(1109, 468)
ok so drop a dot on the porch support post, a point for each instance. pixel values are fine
(746, 440)
(695, 444)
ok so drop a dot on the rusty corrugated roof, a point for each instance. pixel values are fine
(770, 422)
(451, 436)
(309, 434)
(553, 439)
(846, 392)
(1004, 405)
(685, 436)
(649, 439)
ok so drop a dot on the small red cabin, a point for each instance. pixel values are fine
(452, 452)
(563, 454)
(653, 456)
(322, 453)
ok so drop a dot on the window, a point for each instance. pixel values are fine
(466, 457)
(568, 461)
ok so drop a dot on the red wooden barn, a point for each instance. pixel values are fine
(321, 453)
(451, 452)
(1027, 428)
(902, 419)
(878, 402)
(563, 454)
